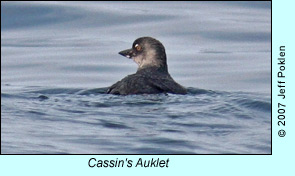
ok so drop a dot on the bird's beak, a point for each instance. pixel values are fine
(127, 53)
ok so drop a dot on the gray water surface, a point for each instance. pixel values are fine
(58, 58)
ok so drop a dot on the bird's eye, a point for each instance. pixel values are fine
(137, 47)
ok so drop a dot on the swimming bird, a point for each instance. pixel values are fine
(152, 75)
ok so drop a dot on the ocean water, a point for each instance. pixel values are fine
(58, 58)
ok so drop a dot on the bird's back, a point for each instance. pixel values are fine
(147, 81)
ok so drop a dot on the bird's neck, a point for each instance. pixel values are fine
(153, 68)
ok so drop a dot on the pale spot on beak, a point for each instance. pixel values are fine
(128, 56)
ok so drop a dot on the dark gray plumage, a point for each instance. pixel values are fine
(152, 74)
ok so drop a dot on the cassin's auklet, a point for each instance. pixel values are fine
(152, 75)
